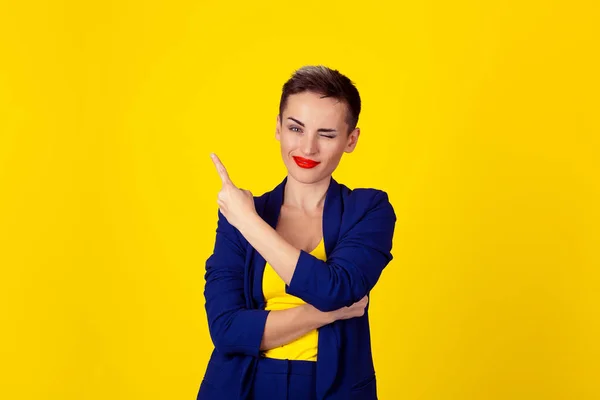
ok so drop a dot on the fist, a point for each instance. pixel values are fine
(355, 310)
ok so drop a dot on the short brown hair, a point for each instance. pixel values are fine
(327, 82)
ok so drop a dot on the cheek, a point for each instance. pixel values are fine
(288, 141)
(285, 145)
(333, 151)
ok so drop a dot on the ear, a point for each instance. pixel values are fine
(278, 128)
(352, 140)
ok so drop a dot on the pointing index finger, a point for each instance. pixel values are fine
(220, 169)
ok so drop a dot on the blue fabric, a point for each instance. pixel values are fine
(277, 380)
(358, 226)
(284, 380)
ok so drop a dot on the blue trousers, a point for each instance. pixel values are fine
(284, 380)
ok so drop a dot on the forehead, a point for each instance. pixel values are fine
(310, 107)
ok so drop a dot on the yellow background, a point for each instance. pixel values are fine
(481, 120)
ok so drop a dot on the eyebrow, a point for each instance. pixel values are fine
(318, 130)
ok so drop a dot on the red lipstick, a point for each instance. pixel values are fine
(305, 162)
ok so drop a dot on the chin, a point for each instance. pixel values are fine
(305, 180)
(306, 176)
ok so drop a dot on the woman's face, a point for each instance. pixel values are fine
(313, 134)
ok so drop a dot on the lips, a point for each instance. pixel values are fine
(305, 162)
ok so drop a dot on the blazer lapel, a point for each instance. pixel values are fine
(329, 338)
(332, 216)
(270, 214)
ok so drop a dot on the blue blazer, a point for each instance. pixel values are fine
(358, 226)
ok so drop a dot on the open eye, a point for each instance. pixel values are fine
(294, 129)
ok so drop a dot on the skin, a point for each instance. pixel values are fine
(312, 127)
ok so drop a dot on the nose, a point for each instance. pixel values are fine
(309, 145)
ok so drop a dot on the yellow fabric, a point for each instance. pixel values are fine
(305, 347)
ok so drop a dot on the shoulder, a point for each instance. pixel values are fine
(366, 211)
(369, 196)
(365, 199)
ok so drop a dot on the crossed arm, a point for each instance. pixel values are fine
(236, 328)
(285, 326)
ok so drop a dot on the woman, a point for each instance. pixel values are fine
(287, 284)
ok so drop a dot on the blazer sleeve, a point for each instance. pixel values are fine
(234, 329)
(354, 266)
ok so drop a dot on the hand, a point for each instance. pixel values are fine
(355, 310)
(234, 203)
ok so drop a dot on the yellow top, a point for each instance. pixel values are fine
(305, 347)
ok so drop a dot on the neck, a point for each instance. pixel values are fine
(306, 196)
